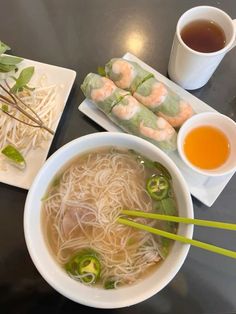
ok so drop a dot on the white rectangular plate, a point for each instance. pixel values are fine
(205, 189)
(64, 78)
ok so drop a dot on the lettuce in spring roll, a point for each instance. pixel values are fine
(164, 102)
(102, 91)
(125, 74)
(134, 118)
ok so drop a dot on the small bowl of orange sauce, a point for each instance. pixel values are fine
(207, 144)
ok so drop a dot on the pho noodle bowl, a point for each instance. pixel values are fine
(80, 211)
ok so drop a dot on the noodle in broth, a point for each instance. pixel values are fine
(81, 207)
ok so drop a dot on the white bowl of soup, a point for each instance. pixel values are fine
(71, 228)
(206, 143)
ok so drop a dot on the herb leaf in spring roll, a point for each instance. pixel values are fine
(164, 102)
(125, 74)
(102, 91)
(134, 118)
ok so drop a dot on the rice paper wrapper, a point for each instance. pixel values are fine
(134, 118)
(92, 81)
(126, 74)
(102, 91)
(161, 100)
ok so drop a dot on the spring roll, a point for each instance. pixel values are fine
(164, 102)
(129, 114)
(125, 74)
(102, 91)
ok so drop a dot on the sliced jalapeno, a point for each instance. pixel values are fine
(86, 264)
(157, 187)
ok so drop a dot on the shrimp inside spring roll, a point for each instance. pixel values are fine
(162, 101)
(126, 74)
(102, 91)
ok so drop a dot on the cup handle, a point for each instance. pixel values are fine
(234, 44)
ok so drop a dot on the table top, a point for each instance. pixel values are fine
(81, 35)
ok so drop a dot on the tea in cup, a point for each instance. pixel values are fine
(203, 36)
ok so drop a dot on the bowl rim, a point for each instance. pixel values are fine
(30, 241)
(188, 125)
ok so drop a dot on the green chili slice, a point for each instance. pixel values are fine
(157, 187)
(86, 264)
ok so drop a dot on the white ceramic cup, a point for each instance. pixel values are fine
(216, 120)
(192, 69)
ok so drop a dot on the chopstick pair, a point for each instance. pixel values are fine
(176, 237)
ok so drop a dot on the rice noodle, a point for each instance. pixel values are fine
(82, 211)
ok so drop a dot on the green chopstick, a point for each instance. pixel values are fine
(198, 222)
(176, 237)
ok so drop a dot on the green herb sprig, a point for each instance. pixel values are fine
(101, 71)
(22, 80)
(8, 63)
(9, 99)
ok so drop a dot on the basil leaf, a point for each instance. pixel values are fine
(109, 284)
(8, 60)
(23, 79)
(165, 246)
(101, 71)
(3, 47)
(6, 68)
(169, 207)
(165, 172)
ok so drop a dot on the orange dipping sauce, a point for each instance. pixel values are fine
(206, 147)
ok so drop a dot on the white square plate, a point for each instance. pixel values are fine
(205, 189)
(62, 77)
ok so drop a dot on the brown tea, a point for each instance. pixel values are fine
(203, 36)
